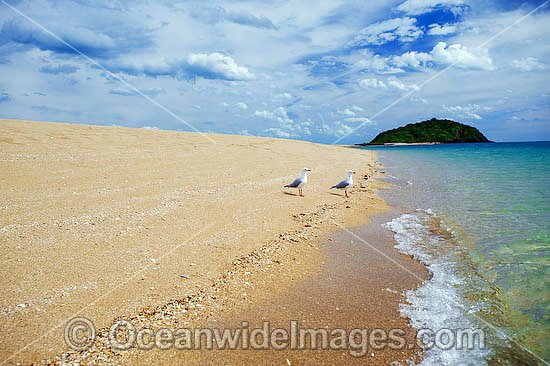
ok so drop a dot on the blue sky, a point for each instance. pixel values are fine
(280, 68)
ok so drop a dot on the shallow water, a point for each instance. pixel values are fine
(478, 215)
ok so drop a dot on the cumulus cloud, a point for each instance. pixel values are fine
(372, 83)
(378, 64)
(216, 66)
(441, 30)
(446, 54)
(59, 69)
(417, 7)
(400, 29)
(357, 108)
(396, 83)
(464, 58)
(207, 66)
(529, 64)
(279, 115)
(411, 59)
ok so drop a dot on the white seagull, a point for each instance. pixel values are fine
(345, 184)
(299, 182)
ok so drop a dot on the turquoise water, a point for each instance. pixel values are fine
(487, 208)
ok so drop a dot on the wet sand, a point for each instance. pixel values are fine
(357, 287)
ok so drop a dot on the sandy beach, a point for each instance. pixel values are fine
(165, 228)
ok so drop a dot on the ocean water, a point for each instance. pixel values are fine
(478, 216)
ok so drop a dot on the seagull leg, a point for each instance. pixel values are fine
(346, 191)
(301, 193)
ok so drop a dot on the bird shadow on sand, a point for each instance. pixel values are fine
(337, 194)
(291, 194)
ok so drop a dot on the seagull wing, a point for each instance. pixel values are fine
(342, 184)
(294, 184)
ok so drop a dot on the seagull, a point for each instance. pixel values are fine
(299, 182)
(345, 184)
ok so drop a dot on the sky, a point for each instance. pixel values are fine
(334, 71)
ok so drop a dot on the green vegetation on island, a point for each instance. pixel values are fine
(431, 131)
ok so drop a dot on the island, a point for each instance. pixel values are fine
(433, 131)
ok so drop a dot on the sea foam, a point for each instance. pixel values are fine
(439, 302)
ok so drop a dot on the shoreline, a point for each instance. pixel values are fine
(339, 294)
(297, 293)
(281, 253)
(401, 144)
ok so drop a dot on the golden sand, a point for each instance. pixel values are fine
(109, 222)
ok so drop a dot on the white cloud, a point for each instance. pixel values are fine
(242, 106)
(417, 7)
(411, 59)
(346, 112)
(446, 55)
(441, 30)
(401, 29)
(357, 108)
(529, 64)
(287, 96)
(372, 83)
(463, 57)
(378, 64)
(273, 131)
(337, 129)
(279, 115)
(150, 127)
(208, 66)
(466, 111)
(294, 130)
(394, 82)
(218, 64)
